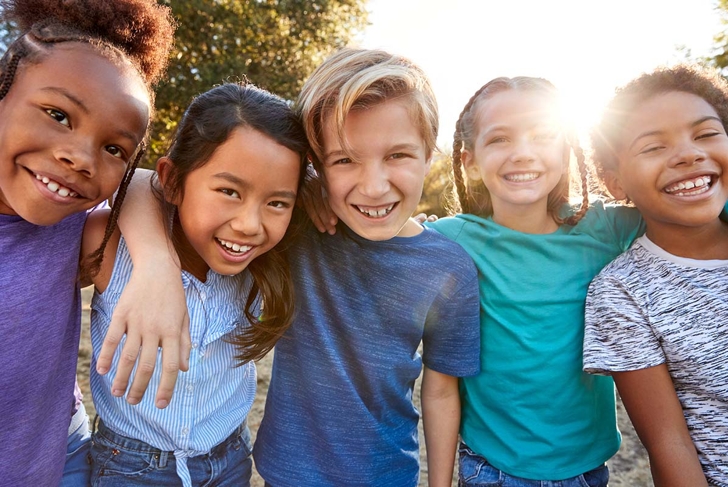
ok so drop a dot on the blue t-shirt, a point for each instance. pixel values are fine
(532, 411)
(40, 324)
(339, 409)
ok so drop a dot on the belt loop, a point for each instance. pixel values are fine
(163, 459)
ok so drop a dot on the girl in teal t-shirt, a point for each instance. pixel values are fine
(532, 414)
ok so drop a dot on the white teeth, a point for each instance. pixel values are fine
(376, 213)
(702, 182)
(55, 187)
(530, 176)
(241, 249)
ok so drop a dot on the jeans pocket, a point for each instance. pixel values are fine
(109, 460)
(599, 477)
(475, 471)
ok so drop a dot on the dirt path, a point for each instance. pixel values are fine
(629, 468)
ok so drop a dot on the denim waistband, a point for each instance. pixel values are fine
(133, 444)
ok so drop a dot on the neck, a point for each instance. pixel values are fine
(535, 220)
(705, 242)
(189, 259)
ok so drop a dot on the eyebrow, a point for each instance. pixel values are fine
(231, 178)
(658, 132)
(397, 147)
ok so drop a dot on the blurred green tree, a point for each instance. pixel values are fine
(437, 196)
(275, 43)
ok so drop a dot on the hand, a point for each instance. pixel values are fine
(152, 311)
(314, 201)
(422, 218)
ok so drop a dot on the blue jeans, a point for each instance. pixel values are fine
(77, 469)
(120, 461)
(475, 471)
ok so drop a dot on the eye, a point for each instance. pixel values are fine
(496, 140)
(116, 151)
(707, 135)
(345, 160)
(399, 155)
(58, 116)
(229, 192)
(280, 204)
(650, 148)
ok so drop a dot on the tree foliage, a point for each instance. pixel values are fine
(437, 196)
(275, 43)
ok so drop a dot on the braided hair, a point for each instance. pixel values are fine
(140, 32)
(472, 196)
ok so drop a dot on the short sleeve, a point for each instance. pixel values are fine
(625, 223)
(618, 336)
(451, 341)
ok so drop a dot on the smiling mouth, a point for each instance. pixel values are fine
(380, 212)
(521, 177)
(690, 187)
(56, 187)
(233, 248)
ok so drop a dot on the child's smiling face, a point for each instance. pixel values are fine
(375, 189)
(69, 125)
(673, 162)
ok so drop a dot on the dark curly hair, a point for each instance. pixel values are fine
(473, 196)
(206, 124)
(698, 80)
(138, 31)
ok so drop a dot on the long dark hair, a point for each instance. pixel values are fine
(206, 124)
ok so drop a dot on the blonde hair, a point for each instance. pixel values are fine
(351, 79)
(473, 196)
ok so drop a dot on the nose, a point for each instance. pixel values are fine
(687, 153)
(247, 220)
(522, 150)
(80, 156)
(373, 180)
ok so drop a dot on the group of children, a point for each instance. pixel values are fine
(523, 304)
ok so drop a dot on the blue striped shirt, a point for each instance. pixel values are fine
(211, 399)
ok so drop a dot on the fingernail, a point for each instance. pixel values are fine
(102, 370)
(132, 400)
(117, 392)
(162, 403)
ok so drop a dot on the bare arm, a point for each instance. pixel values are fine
(652, 404)
(441, 421)
(152, 311)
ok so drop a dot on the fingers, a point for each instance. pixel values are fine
(170, 369)
(423, 217)
(185, 345)
(127, 359)
(111, 343)
(144, 370)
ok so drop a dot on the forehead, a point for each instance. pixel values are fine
(99, 82)
(384, 123)
(517, 107)
(667, 109)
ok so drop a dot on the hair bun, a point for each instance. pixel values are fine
(142, 29)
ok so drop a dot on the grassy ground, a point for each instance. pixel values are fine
(629, 468)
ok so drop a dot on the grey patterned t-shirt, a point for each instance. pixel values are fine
(649, 307)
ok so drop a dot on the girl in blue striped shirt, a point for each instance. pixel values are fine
(227, 187)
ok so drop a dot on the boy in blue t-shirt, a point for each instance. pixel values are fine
(339, 409)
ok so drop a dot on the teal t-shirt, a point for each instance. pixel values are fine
(532, 412)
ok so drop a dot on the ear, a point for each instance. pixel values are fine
(470, 165)
(614, 184)
(165, 168)
(428, 163)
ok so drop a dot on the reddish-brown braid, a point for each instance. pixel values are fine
(457, 146)
(93, 261)
(583, 176)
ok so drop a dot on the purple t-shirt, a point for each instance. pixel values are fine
(40, 318)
